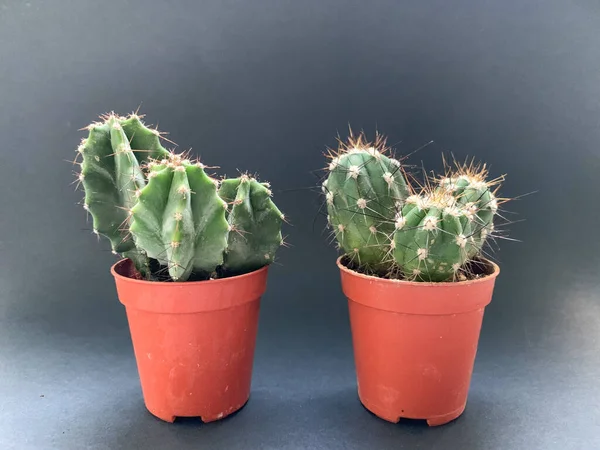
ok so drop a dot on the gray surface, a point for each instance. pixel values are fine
(265, 87)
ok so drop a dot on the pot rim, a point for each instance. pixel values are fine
(115, 266)
(446, 284)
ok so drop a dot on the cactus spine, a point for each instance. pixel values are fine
(364, 188)
(165, 213)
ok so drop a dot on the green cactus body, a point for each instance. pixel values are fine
(475, 196)
(164, 212)
(179, 219)
(254, 223)
(364, 190)
(111, 174)
(431, 241)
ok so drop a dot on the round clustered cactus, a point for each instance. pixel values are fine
(433, 237)
(389, 228)
(469, 185)
(164, 212)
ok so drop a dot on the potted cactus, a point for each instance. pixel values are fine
(196, 252)
(414, 275)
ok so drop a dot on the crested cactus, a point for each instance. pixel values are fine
(166, 214)
(254, 224)
(364, 188)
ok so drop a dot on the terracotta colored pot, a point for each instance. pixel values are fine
(193, 341)
(415, 343)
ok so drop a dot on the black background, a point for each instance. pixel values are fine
(265, 86)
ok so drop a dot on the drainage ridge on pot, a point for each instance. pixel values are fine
(413, 273)
(195, 251)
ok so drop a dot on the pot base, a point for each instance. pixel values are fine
(395, 417)
(172, 416)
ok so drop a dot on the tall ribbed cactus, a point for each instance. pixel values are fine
(364, 190)
(165, 213)
(114, 154)
(179, 219)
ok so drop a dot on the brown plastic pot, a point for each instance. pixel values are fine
(415, 343)
(193, 341)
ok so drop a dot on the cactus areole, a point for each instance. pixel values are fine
(413, 273)
(195, 254)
